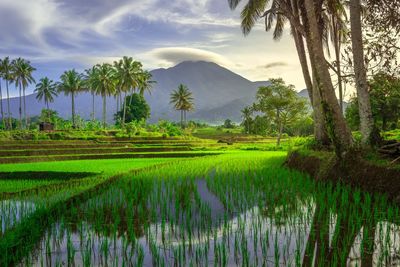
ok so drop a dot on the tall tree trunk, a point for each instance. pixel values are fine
(319, 125)
(338, 131)
(73, 109)
(364, 104)
(337, 42)
(278, 141)
(1, 107)
(8, 107)
(124, 113)
(181, 118)
(25, 117)
(48, 111)
(117, 100)
(93, 110)
(104, 112)
(20, 108)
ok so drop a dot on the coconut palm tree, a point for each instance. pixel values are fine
(246, 115)
(127, 72)
(182, 100)
(307, 21)
(6, 69)
(1, 97)
(104, 83)
(71, 83)
(144, 82)
(46, 90)
(23, 77)
(88, 81)
(276, 14)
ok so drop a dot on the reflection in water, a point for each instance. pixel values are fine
(12, 211)
(198, 222)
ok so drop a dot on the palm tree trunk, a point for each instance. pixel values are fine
(104, 112)
(8, 107)
(93, 106)
(336, 40)
(181, 118)
(48, 111)
(319, 126)
(26, 119)
(364, 104)
(117, 99)
(73, 109)
(20, 108)
(124, 113)
(1, 107)
(336, 125)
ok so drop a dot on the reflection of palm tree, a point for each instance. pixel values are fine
(22, 77)
(182, 100)
(71, 83)
(46, 89)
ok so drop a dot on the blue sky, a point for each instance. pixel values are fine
(56, 35)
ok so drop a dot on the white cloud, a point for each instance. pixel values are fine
(174, 55)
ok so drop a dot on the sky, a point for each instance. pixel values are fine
(57, 35)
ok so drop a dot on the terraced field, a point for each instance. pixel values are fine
(234, 207)
(35, 151)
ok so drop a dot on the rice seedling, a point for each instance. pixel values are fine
(241, 209)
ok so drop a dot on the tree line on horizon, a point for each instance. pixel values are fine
(317, 25)
(119, 79)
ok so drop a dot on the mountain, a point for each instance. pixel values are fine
(218, 93)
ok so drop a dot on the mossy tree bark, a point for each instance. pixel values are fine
(337, 128)
(364, 104)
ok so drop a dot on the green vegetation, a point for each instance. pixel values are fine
(232, 209)
(137, 109)
(182, 100)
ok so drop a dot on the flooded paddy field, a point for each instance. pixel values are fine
(239, 209)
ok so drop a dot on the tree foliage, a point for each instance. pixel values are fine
(137, 109)
(385, 103)
(280, 103)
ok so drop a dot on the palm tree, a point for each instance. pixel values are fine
(6, 69)
(246, 114)
(306, 19)
(144, 82)
(104, 83)
(182, 100)
(46, 90)
(23, 77)
(88, 81)
(71, 83)
(278, 13)
(1, 97)
(127, 72)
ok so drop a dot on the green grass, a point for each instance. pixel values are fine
(105, 166)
